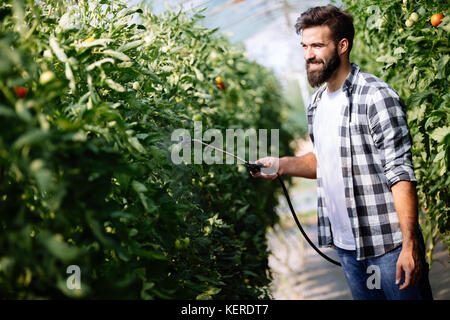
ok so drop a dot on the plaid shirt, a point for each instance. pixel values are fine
(374, 154)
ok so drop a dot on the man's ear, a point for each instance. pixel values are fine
(343, 46)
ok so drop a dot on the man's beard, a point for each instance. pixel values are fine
(319, 76)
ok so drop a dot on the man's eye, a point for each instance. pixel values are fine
(315, 46)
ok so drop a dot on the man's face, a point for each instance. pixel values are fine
(321, 55)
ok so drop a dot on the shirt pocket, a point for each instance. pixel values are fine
(359, 125)
(359, 128)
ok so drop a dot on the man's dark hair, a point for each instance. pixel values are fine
(339, 22)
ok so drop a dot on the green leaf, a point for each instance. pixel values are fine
(117, 55)
(99, 63)
(374, 22)
(387, 58)
(98, 42)
(198, 74)
(131, 11)
(148, 254)
(123, 254)
(250, 273)
(98, 231)
(130, 45)
(58, 247)
(147, 286)
(207, 295)
(416, 39)
(114, 85)
(418, 98)
(442, 69)
(43, 175)
(445, 24)
(133, 232)
(138, 187)
(31, 137)
(439, 134)
(136, 144)
(199, 169)
(7, 112)
(209, 280)
(242, 211)
(399, 51)
(412, 79)
(203, 296)
(69, 76)
(417, 113)
(213, 291)
(59, 53)
(439, 156)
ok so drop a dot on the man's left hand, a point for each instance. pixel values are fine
(409, 262)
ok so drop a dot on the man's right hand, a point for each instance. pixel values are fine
(270, 170)
(304, 166)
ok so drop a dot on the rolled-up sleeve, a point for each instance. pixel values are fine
(390, 132)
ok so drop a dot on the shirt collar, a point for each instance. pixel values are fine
(347, 85)
(351, 78)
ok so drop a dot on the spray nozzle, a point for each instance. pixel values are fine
(254, 167)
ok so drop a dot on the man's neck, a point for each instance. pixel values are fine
(339, 76)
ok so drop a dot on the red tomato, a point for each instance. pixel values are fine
(20, 91)
(436, 19)
(221, 86)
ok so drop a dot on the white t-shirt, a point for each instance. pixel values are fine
(327, 120)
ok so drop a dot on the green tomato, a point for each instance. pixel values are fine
(197, 117)
(400, 31)
(408, 23)
(414, 17)
(46, 77)
(178, 244)
(186, 241)
(136, 85)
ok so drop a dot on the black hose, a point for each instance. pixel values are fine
(300, 226)
(255, 168)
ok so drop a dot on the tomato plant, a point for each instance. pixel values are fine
(415, 61)
(85, 171)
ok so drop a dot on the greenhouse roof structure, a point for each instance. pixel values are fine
(241, 18)
(265, 27)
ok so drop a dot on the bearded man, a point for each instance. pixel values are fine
(367, 200)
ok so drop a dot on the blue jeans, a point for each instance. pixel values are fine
(374, 278)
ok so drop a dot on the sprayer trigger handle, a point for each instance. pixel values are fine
(254, 167)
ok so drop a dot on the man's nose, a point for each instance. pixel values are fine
(308, 53)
